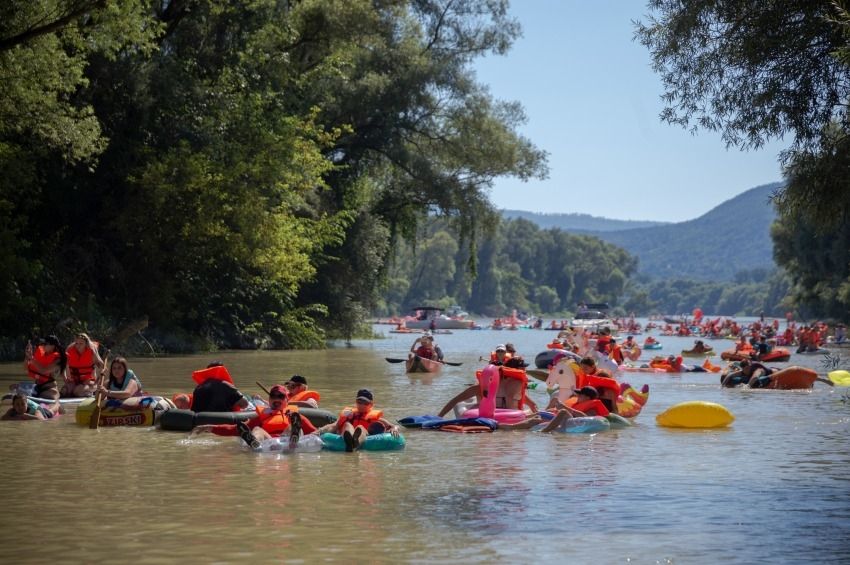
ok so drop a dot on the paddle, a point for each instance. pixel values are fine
(98, 399)
(264, 389)
(449, 363)
(538, 374)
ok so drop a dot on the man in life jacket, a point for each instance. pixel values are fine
(500, 355)
(356, 423)
(299, 395)
(215, 391)
(273, 420)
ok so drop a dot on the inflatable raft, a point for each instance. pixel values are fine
(186, 420)
(695, 414)
(137, 411)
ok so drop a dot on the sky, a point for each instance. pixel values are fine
(592, 101)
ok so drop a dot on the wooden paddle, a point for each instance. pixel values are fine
(264, 389)
(538, 374)
(393, 360)
(98, 399)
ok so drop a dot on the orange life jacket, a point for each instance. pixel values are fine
(305, 395)
(352, 415)
(494, 358)
(275, 421)
(593, 404)
(218, 372)
(81, 365)
(617, 355)
(518, 374)
(45, 360)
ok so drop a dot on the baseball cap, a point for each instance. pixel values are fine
(501, 347)
(365, 394)
(278, 390)
(298, 379)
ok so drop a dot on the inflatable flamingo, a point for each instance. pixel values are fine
(488, 383)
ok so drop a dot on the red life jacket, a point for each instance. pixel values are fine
(81, 365)
(594, 404)
(275, 421)
(45, 360)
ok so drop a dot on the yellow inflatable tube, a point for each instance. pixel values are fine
(695, 414)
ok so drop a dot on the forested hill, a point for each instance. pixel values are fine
(732, 237)
(578, 223)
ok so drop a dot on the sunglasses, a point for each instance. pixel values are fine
(280, 396)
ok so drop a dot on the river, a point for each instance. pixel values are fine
(772, 488)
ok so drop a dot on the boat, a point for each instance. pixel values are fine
(593, 319)
(135, 411)
(417, 364)
(430, 317)
(692, 353)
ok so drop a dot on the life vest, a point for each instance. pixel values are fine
(219, 372)
(352, 415)
(600, 383)
(617, 355)
(128, 376)
(494, 358)
(275, 421)
(81, 365)
(517, 374)
(593, 404)
(425, 352)
(45, 360)
(305, 395)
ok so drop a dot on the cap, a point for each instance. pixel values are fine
(298, 379)
(501, 347)
(278, 390)
(365, 394)
(587, 391)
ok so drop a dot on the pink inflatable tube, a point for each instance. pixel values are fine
(488, 382)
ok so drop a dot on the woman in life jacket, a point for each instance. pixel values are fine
(356, 423)
(271, 421)
(44, 364)
(83, 364)
(123, 382)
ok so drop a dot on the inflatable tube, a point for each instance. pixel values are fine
(617, 422)
(584, 425)
(306, 444)
(186, 420)
(488, 383)
(503, 415)
(379, 442)
(656, 345)
(28, 387)
(840, 377)
(141, 412)
(792, 378)
(630, 402)
(695, 414)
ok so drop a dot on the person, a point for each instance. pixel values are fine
(750, 373)
(299, 395)
(840, 333)
(700, 347)
(425, 348)
(516, 361)
(587, 404)
(44, 364)
(215, 391)
(83, 362)
(355, 424)
(25, 409)
(273, 420)
(123, 382)
(499, 356)
(649, 340)
(511, 393)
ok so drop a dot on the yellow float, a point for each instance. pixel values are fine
(841, 378)
(695, 414)
(132, 412)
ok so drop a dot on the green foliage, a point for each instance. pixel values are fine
(764, 71)
(520, 266)
(237, 171)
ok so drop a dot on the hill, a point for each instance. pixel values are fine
(578, 223)
(732, 237)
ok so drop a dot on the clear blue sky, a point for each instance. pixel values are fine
(592, 102)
